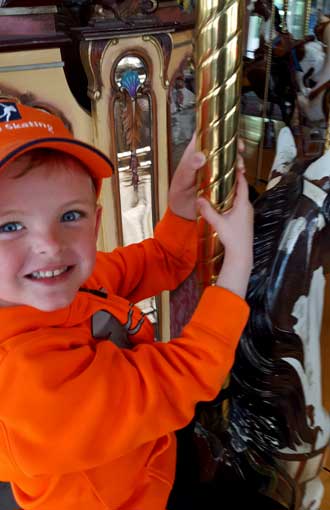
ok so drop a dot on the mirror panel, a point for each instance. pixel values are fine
(133, 128)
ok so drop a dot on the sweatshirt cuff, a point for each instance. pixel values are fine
(178, 234)
(220, 309)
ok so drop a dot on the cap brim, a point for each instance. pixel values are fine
(98, 165)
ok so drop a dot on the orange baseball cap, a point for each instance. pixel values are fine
(23, 128)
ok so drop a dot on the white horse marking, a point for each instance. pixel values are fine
(319, 168)
(308, 311)
(273, 182)
(286, 151)
(316, 194)
(293, 231)
(316, 488)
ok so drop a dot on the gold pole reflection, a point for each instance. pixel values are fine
(327, 137)
(218, 59)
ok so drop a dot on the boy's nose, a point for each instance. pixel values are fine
(48, 242)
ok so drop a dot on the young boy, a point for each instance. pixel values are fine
(89, 402)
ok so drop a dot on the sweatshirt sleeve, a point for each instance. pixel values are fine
(104, 402)
(144, 269)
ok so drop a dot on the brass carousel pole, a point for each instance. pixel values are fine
(327, 137)
(307, 15)
(218, 60)
(269, 48)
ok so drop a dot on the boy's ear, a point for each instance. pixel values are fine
(98, 219)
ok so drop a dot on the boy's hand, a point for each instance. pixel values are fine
(235, 231)
(182, 193)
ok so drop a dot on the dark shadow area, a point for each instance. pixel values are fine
(7, 501)
(225, 493)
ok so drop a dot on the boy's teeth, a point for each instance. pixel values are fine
(49, 274)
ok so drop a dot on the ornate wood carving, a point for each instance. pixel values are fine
(91, 53)
(131, 15)
(166, 45)
(128, 8)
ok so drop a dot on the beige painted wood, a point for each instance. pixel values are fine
(40, 72)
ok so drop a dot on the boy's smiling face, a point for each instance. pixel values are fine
(48, 230)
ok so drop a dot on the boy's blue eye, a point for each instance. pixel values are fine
(11, 227)
(72, 216)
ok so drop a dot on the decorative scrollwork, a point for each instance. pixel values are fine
(128, 8)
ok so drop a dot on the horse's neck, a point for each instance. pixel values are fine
(307, 308)
(267, 31)
(306, 311)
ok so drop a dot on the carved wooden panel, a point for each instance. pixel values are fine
(128, 88)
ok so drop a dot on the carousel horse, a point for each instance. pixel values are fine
(268, 428)
(282, 88)
(311, 59)
(314, 76)
(262, 8)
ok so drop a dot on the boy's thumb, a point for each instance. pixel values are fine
(208, 212)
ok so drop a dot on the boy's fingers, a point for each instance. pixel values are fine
(198, 160)
(192, 159)
(209, 214)
(240, 145)
(193, 139)
(240, 163)
(185, 175)
(242, 190)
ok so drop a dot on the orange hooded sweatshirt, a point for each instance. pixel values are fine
(88, 425)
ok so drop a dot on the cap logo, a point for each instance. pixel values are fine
(8, 112)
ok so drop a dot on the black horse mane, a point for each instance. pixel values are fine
(262, 409)
(267, 398)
